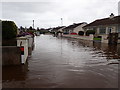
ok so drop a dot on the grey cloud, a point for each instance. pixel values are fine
(25, 7)
(27, 11)
(47, 13)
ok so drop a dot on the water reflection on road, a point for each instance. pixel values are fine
(66, 63)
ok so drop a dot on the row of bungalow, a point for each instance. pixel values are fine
(106, 30)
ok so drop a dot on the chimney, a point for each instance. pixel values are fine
(111, 16)
(74, 23)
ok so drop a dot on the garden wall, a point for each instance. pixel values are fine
(11, 55)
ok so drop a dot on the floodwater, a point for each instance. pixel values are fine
(65, 63)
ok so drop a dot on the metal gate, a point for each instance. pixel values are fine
(113, 38)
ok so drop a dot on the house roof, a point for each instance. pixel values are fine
(48, 29)
(105, 21)
(73, 26)
(57, 28)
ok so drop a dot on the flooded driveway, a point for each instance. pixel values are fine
(66, 63)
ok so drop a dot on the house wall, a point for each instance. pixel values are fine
(107, 32)
(97, 32)
(79, 28)
(104, 36)
(60, 30)
(113, 29)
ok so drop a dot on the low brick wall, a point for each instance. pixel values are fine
(11, 55)
(80, 37)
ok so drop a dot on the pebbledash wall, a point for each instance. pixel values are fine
(11, 55)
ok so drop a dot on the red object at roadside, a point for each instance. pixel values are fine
(73, 33)
(22, 48)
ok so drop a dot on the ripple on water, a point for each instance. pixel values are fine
(62, 62)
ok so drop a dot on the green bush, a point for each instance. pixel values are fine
(97, 39)
(9, 30)
(90, 32)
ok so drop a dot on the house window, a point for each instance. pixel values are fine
(102, 30)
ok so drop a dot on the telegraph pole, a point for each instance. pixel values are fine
(33, 24)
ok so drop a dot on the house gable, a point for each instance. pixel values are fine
(80, 27)
(73, 27)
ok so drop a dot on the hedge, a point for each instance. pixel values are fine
(9, 30)
(90, 32)
(81, 33)
(97, 39)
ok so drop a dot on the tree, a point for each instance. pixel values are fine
(21, 28)
(9, 30)
(38, 29)
(30, 28)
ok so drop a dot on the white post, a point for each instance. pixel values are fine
(22, 42)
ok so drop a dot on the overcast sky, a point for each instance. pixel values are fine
(48, 13)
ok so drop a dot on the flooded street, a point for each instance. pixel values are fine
(65, 63)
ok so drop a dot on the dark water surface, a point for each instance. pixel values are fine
(66, 63)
